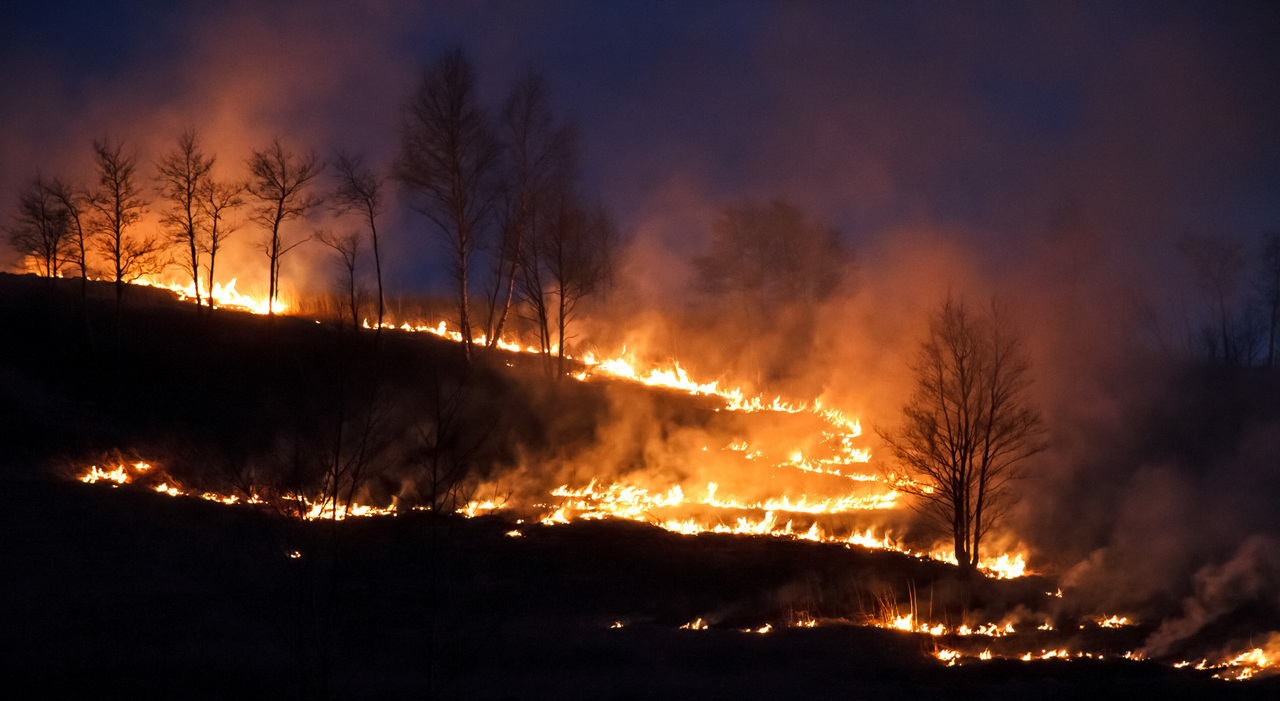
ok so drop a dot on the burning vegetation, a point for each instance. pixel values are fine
(813, 446)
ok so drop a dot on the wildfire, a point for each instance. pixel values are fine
(223, 296)
(1112, 621)
(890, 619)
(1247, 664)
(774, 515)
(308, 508)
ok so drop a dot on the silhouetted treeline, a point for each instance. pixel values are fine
(498, 188)
(1234, 319)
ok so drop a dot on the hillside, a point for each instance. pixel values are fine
(128, 593)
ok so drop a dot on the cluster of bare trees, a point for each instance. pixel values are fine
(499, 187)
(506, 187)
(1239, 304)
(60, 225)
(96, 230)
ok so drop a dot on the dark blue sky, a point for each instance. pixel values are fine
(982, 124)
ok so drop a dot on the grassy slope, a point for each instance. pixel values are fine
(126, 593)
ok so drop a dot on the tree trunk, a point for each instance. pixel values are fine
(195, 269)
(377, 267)
(464, 321)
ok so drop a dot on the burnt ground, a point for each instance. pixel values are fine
(126, 593)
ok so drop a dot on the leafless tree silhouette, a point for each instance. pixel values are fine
(41, 233)
(360, 190)
(118, 205)
(578, 252)
(183, 173)
(218, 202)
(76, 202)
(280, 181)
(967, 427)
(448, 160)
(541, 162)
(347, 248)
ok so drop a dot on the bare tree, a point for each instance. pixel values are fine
(454, 429)
(967, 427)
(1218, 265)
(360, 190)
(118, 205)
(533, 291)
(347, 247)
(76, 203)
(218, 201)
(280, 181)
(578, 253)
(41, 233)
(184, 172)
(448, 160)
(541, 155)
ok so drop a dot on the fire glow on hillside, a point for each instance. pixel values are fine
(223, 296)
(833, 461)
(683, 508)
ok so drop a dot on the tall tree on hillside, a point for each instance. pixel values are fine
(541, 163)
(41, 232)
(118, 205)
(578, 251)
(533, 290)
(448, 161)
(279, 183)
(219, 200)
(184, 171)
(346, 247)
(360, 190)
(77, 204)
(967, 427)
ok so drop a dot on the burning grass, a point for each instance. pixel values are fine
(746, 520)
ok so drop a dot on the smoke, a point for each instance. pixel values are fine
(1249, 580)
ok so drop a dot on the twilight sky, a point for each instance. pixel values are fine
(991, 127)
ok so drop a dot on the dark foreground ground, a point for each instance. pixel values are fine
(122, 593)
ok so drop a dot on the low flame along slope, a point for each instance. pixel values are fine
(619, 500)
(771, 516)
